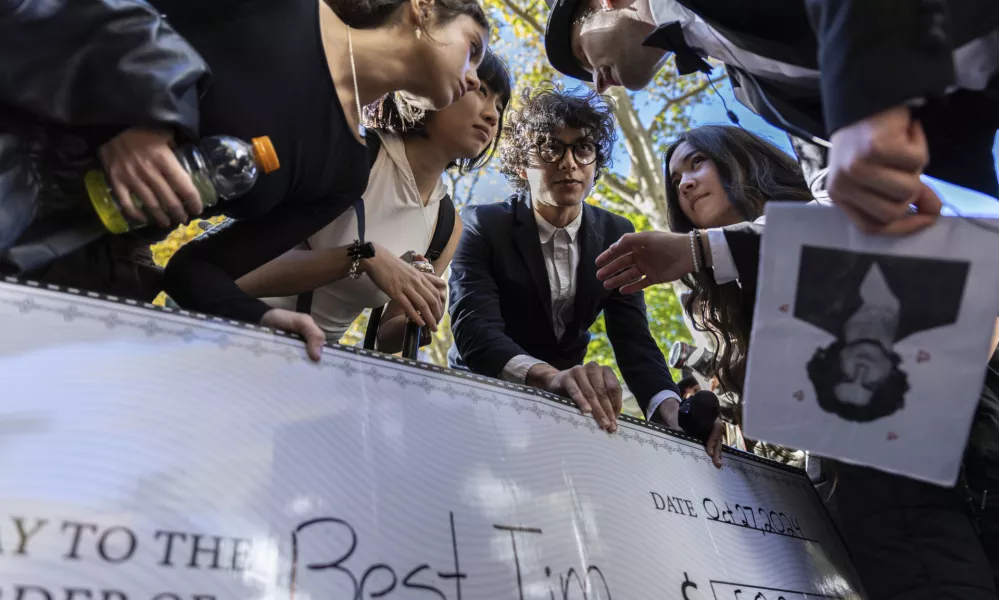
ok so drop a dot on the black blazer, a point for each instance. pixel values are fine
(500, 301)
(743, 241)
(872, 54)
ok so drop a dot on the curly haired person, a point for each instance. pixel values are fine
(523, 289)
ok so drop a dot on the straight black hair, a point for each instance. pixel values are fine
(394, 114)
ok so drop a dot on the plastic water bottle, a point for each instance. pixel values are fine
(222, 168)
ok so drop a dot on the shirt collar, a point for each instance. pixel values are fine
(546, 230)
(670, 11)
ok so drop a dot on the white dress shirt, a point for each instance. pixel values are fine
(560, 249)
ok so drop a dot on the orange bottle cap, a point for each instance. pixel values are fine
(263, 151)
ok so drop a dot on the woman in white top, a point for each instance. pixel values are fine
(401, 205)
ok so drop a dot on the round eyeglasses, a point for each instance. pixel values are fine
(584, 151)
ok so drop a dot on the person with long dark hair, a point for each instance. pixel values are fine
(720, 176)
(406, 209)
(907, 538)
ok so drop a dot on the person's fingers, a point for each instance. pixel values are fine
(878, 209)
(617, 249)
(893, 184)
(124, 198)
(637, 286)
(420, 306)
(595, 377)
(629, 275)
(571, 389)
(314, 337)
(436, 281)
(440, 286)
(586, 390)
(180, 182)
(150, 204)
(713, 445)
(910, 156)
(927, 201)
(614, 391)
(619, 264)
(408, 308)
(433, 299)
(165, 195)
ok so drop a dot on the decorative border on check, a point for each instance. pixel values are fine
(71, 306)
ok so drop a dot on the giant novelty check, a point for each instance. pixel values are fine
(156, 455)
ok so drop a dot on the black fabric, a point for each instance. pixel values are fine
(373, 143)
(270, 77)
(500, 300)
(874, 56)
(64, 91)
(871, 55)
(669, 37)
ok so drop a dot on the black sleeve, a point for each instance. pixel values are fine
(743, 241)
(876, 54)
(202, 275)
(476, 322)
(639, 359)
(100, 63)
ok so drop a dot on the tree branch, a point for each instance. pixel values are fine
(618, 186)
(524, 16)
(671, 102)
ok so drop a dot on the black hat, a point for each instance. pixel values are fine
(558, 39)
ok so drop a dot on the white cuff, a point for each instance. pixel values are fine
(516, 369)
(657, 400)
(721, 257)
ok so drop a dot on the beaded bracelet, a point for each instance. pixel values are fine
(693, 250)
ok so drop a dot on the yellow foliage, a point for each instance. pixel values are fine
(163, 251)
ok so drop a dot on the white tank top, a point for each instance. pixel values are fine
(394, 216)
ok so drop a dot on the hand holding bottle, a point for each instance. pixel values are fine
(140, 162)
(410, 288)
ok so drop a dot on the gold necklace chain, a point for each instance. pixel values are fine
(357, 94)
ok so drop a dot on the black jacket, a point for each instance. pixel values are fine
(871, 54)
(73, 75)
(500, 300)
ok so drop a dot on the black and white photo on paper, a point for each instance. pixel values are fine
(870, 302)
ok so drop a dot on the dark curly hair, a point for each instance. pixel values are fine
(370, 14)
(825, 372)
(542, 113)
(393, 113)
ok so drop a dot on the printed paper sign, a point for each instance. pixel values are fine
(871, 349)
(146, 455)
